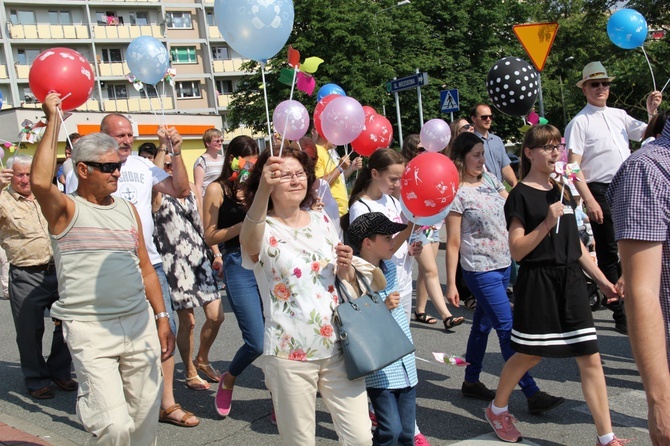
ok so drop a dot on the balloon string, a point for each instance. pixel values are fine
(267, 107)
(653, 79)
(151, 107)
(558, 221)
(666, 84)
(281, 145)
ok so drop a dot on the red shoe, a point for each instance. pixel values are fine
(421, 440)
(615, 442)
(503, 425)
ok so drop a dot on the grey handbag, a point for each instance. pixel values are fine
(370, 338)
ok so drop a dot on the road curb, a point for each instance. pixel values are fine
(29, 428)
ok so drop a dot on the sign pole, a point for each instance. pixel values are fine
(418, 92)
(397, 110)
(540, 101)
(452, 116)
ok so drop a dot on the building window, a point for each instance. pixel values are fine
(209, 18)
(224, 87)
(117, 92)
(139, 18)
(60, 18)
(108, 18)
(183, 54)
(150, 89)
(188, 89)
(111, 55)
(26, 57)
(220, 53)
(178, 19)
(18, 17)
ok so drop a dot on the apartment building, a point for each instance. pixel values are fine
(208, 70)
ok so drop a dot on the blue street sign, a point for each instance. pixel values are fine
(449, 101)
(407, 83)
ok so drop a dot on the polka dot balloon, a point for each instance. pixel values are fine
(512, 85)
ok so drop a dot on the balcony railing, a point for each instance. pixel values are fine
(214, 32)
(22, 71)
(137, 104)
(113, 68)
(126, 31)
(224, 100)
(3, 71)
(46, 31)
(228, 65)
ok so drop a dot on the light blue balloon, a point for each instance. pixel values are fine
(257, 29)
(424, 221)
(329, 89)
(147, 59)
(627, 29)
(1, 102)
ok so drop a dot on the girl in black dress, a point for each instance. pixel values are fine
(552, 316)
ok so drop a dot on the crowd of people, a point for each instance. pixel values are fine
(280, 230)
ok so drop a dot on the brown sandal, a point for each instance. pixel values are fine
(164, 416)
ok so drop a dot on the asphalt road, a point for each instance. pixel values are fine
(443, 415)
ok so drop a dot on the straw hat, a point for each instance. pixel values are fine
(593, 71)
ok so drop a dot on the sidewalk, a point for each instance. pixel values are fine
(16, 434)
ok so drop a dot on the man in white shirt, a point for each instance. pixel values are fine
(598, 140)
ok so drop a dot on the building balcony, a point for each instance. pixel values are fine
(126, 31)
(137, 105)
(228, 65)
(22, 71)
(214, 32)
(113, 69)
(46, 31)
(3, 71)
(224, 99)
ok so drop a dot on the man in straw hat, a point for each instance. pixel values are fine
(598, 140)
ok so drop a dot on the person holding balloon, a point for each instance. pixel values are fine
(597, 139)
(552, 315)
(476, 228)
(428, 281)
(295, 255)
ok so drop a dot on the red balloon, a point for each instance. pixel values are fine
(429, 184)
(377, 134)
(320, 107)
(64, 71)
(369, 110)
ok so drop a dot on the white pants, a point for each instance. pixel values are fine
(294, 385)
(117, 362)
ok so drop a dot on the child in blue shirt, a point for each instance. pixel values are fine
(392, 390)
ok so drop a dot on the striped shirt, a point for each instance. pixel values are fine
(402, 373)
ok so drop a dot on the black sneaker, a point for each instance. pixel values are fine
(542, 402)
(477, 390)
(621, 327)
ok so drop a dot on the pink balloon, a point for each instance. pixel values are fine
(435, 135)
(291, 119)
(342, 120)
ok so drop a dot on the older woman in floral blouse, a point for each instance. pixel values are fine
(295, 255)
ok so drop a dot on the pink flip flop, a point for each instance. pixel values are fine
(223, 399)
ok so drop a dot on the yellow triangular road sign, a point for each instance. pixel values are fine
(537, 39)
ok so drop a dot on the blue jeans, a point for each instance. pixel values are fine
(493, 311)
(167, 298)
(245, 300)
(395, 410)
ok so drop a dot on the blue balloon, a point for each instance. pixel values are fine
(1, 102)
(329, 89)
(257, 29)
(627, 29)
(424, 221)
(147, 59)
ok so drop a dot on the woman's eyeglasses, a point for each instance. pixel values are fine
(466, 127)
(288, 176)
(105, 167)
(549, 148)
(167, 165)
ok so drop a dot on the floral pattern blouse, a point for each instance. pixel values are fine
(297, 266)
(484, 236)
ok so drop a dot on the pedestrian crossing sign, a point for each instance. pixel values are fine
(449, 101)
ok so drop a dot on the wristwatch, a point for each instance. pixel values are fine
(218, 254)
(162, 314)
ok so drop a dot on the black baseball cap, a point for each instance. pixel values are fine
(372, 223)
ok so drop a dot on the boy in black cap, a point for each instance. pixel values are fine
(392, 390)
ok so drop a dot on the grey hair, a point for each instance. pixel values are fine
(91, 148)
(21, 160)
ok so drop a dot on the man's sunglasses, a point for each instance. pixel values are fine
(598, 84)
(105, 167)
(486, 117)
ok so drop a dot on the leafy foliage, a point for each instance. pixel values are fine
(365, 43)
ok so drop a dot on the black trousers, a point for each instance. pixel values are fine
(30, 294)
(606, 246)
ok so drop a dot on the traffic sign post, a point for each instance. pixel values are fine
(417, 81)
(449, 102)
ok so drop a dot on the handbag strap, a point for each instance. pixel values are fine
(343, 291)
